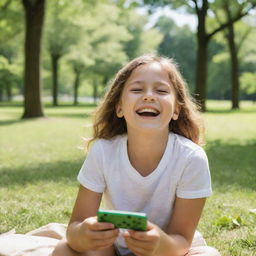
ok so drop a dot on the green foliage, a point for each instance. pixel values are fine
(142, 40)
(248, 82)
(61, 32)
(11, 17)
(95, 38)
(105, 36)
(243, 247)
(178, 43)
(9, 77)
(220, 85)
(228, 222)
(102, 39)
(11, 26)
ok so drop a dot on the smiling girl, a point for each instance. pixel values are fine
(145, 157)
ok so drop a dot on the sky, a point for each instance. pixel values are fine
(178, 16)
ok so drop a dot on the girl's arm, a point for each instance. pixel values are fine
(183, 223)
(84, 232)
(176, 240)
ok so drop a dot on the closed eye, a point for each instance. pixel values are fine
(136, 90)
(162, 91)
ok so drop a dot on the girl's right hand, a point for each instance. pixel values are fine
(97, 235)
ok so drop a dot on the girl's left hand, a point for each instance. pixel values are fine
(144, 243)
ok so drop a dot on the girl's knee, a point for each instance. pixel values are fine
(62, 249)
(203, 251)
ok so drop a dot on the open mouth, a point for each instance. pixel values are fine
(148, 112)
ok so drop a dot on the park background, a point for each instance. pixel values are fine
(57, 59)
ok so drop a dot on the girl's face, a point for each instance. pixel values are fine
(148, 99)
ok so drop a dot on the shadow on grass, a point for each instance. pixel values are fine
(12, 121)
(15, 104)
(56, 171)
(47, 117)
(230, 111)
(232, 164)
(67, 105)
(61, 111)
(69, 115)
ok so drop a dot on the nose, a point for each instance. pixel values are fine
(148, 96)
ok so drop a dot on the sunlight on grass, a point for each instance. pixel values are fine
(40, 159)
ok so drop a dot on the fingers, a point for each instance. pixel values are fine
(93, 224)
(139, 248)
(132, 242)
(109, 234)
(101, 244)
(98, 235)
(138, 251)
(99, 230)
(143, 243)
(149, 235)
(150, 225)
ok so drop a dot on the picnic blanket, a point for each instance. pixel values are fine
(38, 242)
(41, 241)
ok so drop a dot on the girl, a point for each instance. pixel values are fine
(145, 158)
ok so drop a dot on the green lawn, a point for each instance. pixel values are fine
(40, 158)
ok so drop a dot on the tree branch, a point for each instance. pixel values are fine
(223, 26)
(4, 7)
(26, 4)
(219, 20)
(245, 35)
(196, 6)
(205, 5)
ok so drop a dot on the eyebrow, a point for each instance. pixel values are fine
(142, 82)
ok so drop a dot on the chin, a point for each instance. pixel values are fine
(152, 128)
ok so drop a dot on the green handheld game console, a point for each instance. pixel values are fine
(123, 219)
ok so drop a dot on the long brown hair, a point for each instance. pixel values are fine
(189, 123)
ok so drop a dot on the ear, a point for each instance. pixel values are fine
(176, 113)
(119, 111)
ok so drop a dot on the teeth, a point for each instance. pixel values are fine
(147, 110)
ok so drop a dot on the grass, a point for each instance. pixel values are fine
(40, 158)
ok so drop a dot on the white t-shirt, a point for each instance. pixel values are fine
(183, 171)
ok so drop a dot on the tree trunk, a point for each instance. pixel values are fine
(201, 66)
(9, 92)
(34, 17)
(234, 68)
(1, 94)
(234, 64)
(55, 69)
(95, 90)
(76, 86)
(201, 73)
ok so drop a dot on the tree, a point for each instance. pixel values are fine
(10, 21)
(61, 34)
(178, 43)
(202, 8)
(106, 37)
(34, 20)
(11, 33)
(237, 54)
(142, 40)
(8, 77)
(80, 60)
(248, 82)
(229, 7)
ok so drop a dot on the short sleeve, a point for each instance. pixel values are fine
(91, 174)
(195, 182)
